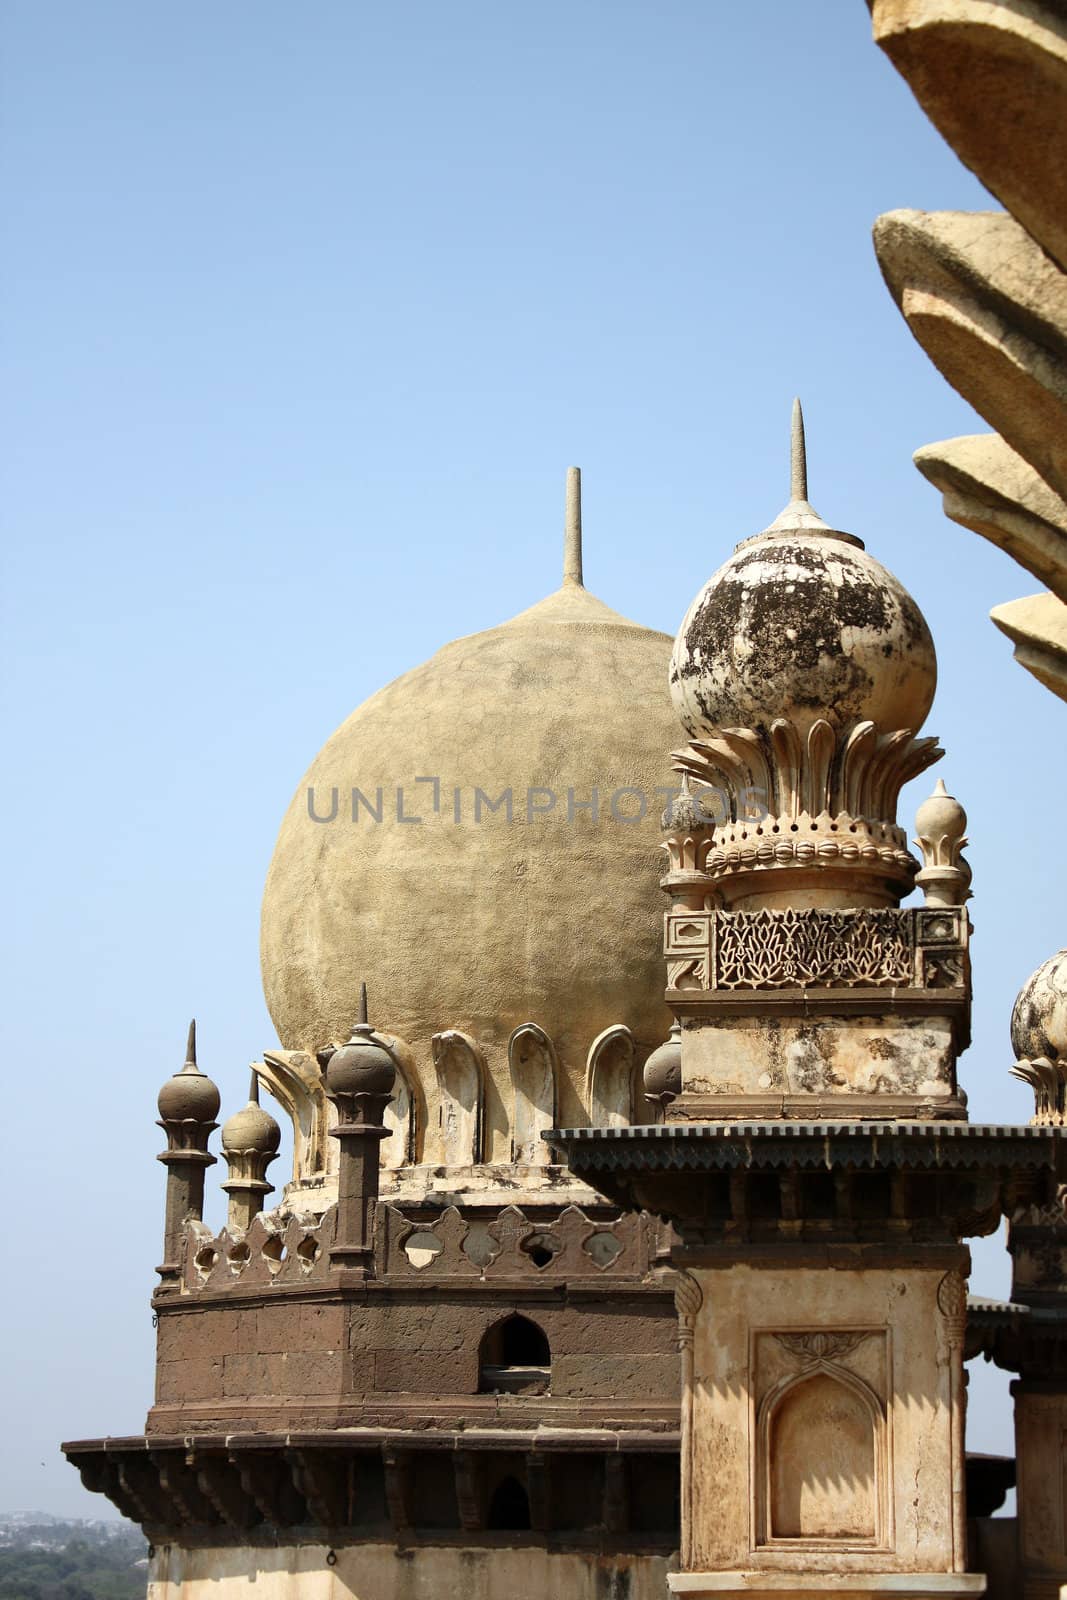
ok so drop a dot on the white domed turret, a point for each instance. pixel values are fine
(803, 671)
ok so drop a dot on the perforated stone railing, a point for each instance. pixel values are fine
(450, 1245)
(513, 1245)
(270, 1252)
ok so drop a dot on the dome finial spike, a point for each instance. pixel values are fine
(190, 1048)
(572, 529)
(363, 1003)
(253, 1089)
(798, 456)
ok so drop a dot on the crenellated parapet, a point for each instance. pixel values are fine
(491, 1245)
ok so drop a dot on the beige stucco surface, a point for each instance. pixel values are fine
(381, 1572)
(902, 1363)
(867, 1055)
(484, 925)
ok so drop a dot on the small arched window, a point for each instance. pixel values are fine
(509, 1507)
(514, 1356)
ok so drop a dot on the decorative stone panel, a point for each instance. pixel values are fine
(744, 950)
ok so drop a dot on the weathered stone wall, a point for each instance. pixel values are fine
(383, 1572)
(298, 1361)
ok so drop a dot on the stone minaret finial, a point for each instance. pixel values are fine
(360, 1078)
(250, 1140)
(188, 1106)
(572, 529)
(941, 826)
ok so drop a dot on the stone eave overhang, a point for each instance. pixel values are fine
(1027, 1339)
(698, 1147)
(567, 1440)
(354, 1485)
(736, 1182)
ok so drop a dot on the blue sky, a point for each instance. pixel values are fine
(306, 312)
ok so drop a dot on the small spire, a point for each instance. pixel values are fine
(800, 516)
(363, 1003)
(190, 1048)
(798, 456)
(572, 529)
(253, 1089)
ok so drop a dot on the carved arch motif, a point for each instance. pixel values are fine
(609, 1078)
(822, 1460)
(294, 1079)
(403, 1114)
(532, 1061)
(460, 1068)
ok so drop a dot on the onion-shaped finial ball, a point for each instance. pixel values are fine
(363, 1065)
(1039, 1018)
(251, 1128)
(684, 813)
(663, 1069)
(190, 1095)
(802, 623)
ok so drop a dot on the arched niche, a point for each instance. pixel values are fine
(402, 1114)
(822, 1442)
(532, 1060)
(609, 1078)
(460, 1069)
(294, 1079)
(509, 1506)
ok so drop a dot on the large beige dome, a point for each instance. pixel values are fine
(482, 925)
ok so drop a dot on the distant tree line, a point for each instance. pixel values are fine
(103, 1569)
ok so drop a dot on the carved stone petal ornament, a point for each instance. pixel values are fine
(1039, 1039)
(993, 80)
(989, 488)
(809, 1348)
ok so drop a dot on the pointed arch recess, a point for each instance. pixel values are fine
(609, 1078)
(460, 1068)
(822, 1441)
(533, 1066)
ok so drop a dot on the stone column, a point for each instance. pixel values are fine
(819, 1390)
(188, 1105)
(360, 1078)
(250, 1142)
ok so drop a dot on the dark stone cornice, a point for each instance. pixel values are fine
(847, 1181)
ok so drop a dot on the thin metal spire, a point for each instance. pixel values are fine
(798, 457)
(363, 1002)
(253, 1092)
(572, 529)
(190, 1048)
